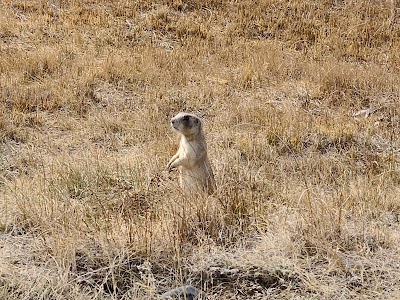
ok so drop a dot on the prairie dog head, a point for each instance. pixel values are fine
(186, 124)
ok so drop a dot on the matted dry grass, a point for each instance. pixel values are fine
(308, 204)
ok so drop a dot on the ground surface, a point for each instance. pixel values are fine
(301, 105)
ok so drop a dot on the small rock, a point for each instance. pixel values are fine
(365, 112)
(218, 80)
(186, 292)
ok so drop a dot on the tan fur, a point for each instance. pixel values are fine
(196, 175)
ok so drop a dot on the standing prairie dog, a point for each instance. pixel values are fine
(196, 175)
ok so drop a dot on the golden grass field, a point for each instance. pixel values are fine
(308, 200)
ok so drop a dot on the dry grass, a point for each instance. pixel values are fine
(308, 204)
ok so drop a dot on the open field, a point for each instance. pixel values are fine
(308, 200)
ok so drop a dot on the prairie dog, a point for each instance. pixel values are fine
(196, 175)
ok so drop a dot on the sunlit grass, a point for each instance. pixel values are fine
(308, 201)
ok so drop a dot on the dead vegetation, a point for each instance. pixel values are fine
(301, 107)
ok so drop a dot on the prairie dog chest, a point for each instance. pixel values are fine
(191, 150)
